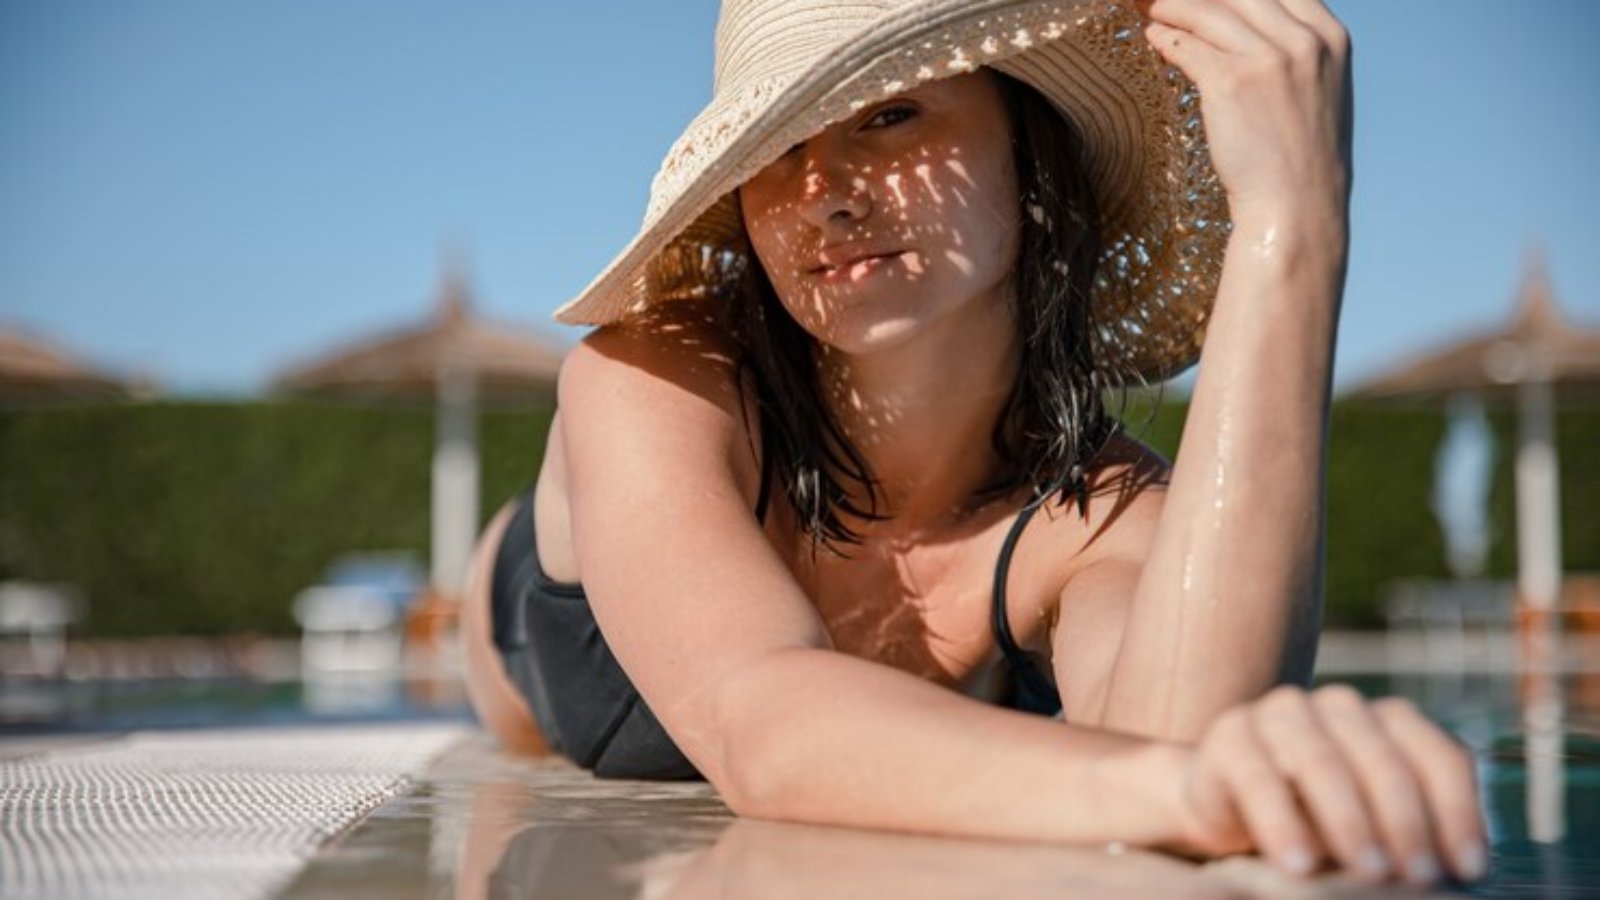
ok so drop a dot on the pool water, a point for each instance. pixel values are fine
(1546, 785)
(118, 706)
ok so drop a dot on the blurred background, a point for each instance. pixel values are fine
(275, 340)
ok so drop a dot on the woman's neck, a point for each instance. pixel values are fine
(922, 413)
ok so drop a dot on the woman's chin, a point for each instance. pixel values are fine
(860, 334)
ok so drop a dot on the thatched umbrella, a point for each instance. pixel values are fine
(1528, 363)
(32, 369)
(457, 361)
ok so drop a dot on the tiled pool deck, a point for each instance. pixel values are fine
(479, 823)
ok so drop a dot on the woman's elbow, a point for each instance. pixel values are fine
(756, 757)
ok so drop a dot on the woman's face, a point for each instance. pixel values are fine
(894, 218)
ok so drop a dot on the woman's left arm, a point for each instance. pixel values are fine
(1228, 597)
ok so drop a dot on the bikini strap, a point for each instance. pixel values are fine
(1023, 667)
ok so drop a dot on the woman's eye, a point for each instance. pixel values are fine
(890, 115)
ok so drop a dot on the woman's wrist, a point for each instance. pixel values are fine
(1291, 229)
(1154, 786)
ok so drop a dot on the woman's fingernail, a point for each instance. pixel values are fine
(1374, 861)
(1298, 860)
(1471, 861)
(1422, 868)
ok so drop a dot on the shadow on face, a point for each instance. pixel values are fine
(891, 220)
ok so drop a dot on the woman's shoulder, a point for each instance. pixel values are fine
(668, 378)
(679, 349)
(1125, 491)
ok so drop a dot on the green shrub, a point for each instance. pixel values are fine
(204, 518)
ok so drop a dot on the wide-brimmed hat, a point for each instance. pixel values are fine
(787, 69)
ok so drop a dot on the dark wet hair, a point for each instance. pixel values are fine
(1054, 422)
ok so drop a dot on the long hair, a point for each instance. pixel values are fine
(1054, 420)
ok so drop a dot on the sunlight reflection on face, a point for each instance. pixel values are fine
(892, 220)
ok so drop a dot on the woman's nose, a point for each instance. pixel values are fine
(832, 192)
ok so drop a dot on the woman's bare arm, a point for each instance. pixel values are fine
(730, 654)
(1228, 598)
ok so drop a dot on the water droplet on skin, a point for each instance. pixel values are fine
(1268, 243)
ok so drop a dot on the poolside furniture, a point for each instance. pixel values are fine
(347, 628)
(33, 627)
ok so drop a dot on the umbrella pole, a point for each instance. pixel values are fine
(455, 479)
(1538, 498)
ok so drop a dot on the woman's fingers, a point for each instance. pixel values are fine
(1183, 49)
(1316, 16)
(1387, 781)
(1274, 78)
(1375, 787)
(1445, 770)
(1259, 792)
(1301, 748)
(1215, 23)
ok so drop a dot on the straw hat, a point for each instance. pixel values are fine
(787, 69)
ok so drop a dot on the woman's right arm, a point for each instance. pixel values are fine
(723, 644)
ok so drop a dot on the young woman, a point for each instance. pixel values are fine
(834, 506)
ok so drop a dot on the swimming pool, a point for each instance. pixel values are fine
(1540, 782)
(46, 707)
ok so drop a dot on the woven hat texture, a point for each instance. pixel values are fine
(787, 69)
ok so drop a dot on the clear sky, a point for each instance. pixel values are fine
(209, 190)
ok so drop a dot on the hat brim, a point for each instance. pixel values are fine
(1164, 215)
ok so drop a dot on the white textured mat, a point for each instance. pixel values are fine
(214, 814)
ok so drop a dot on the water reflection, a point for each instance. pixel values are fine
(779, 860)
(1535, 728)
(1542, 724)
(484, 824)
(555, 832)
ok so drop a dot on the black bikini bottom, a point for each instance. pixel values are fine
(554, 653)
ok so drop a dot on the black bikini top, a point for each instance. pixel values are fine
(1033, 691)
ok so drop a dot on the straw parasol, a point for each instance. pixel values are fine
(456, 361)
(1528, 363)
(33, 369)
(508, 364)
(1537, 346)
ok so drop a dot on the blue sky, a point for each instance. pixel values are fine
(209, 190)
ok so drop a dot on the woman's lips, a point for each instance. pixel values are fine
(854, 269)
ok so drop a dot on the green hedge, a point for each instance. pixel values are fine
(1380, 484)
(208, 518)
(205, 518)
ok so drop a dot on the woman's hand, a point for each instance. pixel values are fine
(1274, 81)
(1327, 777)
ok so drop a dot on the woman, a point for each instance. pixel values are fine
(832, 505)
